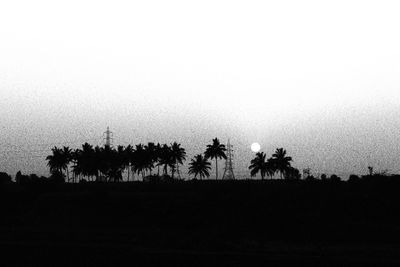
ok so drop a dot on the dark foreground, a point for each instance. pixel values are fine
(201, 223)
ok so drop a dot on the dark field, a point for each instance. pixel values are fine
(200, 223)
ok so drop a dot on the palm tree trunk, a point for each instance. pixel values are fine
(129, 171)
(67, 175)
(216, 169)
(165, 169)
(177, 170)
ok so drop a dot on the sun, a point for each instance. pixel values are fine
(255, 147)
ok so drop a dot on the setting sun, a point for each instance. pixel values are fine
(255, 147)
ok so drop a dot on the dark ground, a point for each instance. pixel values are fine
(197, 223)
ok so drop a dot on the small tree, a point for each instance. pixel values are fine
(199, 165)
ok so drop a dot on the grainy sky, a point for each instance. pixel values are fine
(321, 79)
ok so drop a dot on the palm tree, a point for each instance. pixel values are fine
(76, 169)
(150, 156)
(271, 168)
(281, 161)
(88, 163)
(140, 164)
(157, 155)
(56, 161)
(258, 164)
(215, 151)
(67, 157)
(165, 158)
(128, 159)
(178, 156)
(200, 166)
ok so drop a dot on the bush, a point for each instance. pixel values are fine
(57, 178)
(5, 178)
(335, 178)
(353, 178)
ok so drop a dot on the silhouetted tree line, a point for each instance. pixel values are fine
(277, 163)
(108, 163)
(95, 163)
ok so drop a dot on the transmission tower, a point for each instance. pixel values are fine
(109, 137)
(228, 172)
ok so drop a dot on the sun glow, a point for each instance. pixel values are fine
(255, 147)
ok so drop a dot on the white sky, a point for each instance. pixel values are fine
(321, 79)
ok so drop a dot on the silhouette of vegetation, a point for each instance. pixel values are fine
(4, 178)
(260, 164)
(200, 166)
(178, 156)
(59, 160)
(292, 173)
(353, 178)
(215, 151)
(281, 161)
(196, 218)
(108, 164)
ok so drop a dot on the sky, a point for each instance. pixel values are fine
(319, 78)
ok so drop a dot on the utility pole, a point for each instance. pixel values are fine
(228, 172)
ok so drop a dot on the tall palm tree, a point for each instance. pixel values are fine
(178, 154)
(158, 152)
(139, 160)
(76, 169)
(281, 161)
(200, 166)
(165, 158)
(215, 151)
(112, 163)
(150, 156)
(128, 159)
(259, 164)
(56, 161)
(271, 168)
(87, 161)
(67, 157)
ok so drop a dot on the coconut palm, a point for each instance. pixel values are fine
(200, 166)
(140, 164)
(178, 155)
(271, 168)
(88, 163)
(150, 156)
(281, 161)
(215, 151)
(76, 169)
(157, 154)
(128, 159)
(259, 164)
(165, 159)
(67, 157)
(56, 161)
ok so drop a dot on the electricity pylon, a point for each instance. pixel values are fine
(108, 138)
(228, 173)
